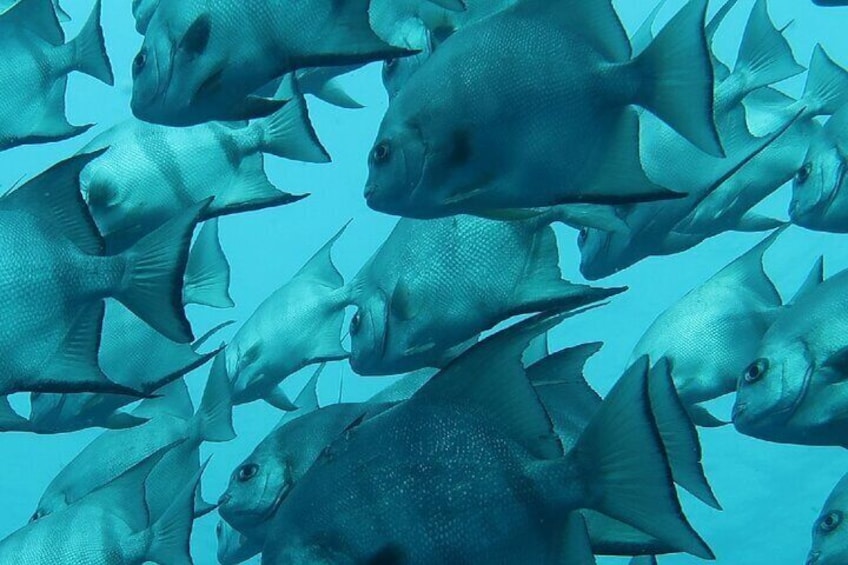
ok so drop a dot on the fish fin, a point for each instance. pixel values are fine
(214, 417)
(542, 286)
(678, 435)
(813, 280)
(599, 23)
(199, 342)
(401, 304)
(611, 537)
(623, 180)
(764, 54)
(201, 507)
(703, 418)
(90, 49)
(322, 83)
(752, 222)
(254, 192)
(73, 366)
(748, 271)
(170, 534)
(37, 16)
(826, 90)
(538, 349)
(55, 195)
(11, 421)
(566, 366)
(718, 18)
(596, 216)
(252, 108)
(643, 36)
(678, 74)
(288, 133)
(644, 560)
(153, 281)
(575, 547)
(506, 396)
(321, 267)
(404, 388)
(60, 132)
(307, 400)
(207, 278)
(624, 463)
(123, 421)
(278, 398)
(451, 353)
(61, 14)
(173, 400)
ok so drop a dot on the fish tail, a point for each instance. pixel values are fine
(89, 47)
(676, 78)
(152, 284)
(826, 90)
(288, 132)
(214, 418)
(207, 277)
(764, 55)
(624, 467)
(170, 535)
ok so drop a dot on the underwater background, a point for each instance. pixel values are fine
(771, 493)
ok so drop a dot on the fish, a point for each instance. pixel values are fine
(709, 336)
(432, 157)
(830, 2)
(149, 172)
(829, 546)
(234, 547)
(111, 523)
(142, 11)
(299, 324)
(191, 69)
(56, 277)
(721, 192)
(433, 285)
(171, 419)
(484, 432)
(790, 391)
(34, 74)
(61, 14)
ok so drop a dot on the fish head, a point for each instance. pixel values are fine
(369, 333)
(819, 187)
(830, 531)
(256, 489)
(177, 74)
(772, 387)
(395, 167)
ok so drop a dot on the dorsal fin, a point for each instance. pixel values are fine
(320, 266)
(36, 16)
(813, 280)
(54, 196)
(490, 379)
(748, 271)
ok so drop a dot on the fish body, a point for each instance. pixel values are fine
(149, 172)
(830, 545)
(34, 74)
(440, 147)
(203, 60)
(792, 389)
(435, 284)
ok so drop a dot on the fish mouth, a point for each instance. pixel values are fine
(813, 558)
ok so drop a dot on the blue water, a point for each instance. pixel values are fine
(771, 493)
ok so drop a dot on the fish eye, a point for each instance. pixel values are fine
(583, 236)
(139, 62)
(381, 153)
(804, 173)
(37, 515)
(247, 472)
(756, 370)
(355, 323)
(831, 521)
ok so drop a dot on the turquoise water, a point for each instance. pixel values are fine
(770, 493)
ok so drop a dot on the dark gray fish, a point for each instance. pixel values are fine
(33, 77)
(830, 543)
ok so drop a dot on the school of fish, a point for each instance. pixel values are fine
(485, 443)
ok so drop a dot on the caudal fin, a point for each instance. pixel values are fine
(765, 56)
(207, 278)
(288, 132)
(214, 417)
(826, 90)
(170, 534)
(624, 465)
(677, 75)
(89, 47)
(153, 281)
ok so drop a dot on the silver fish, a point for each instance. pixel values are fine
(61, 14)
(440, 147)
(56, 277)
(830, 544)
(298, 325)
(436, 284)
(202, 61)
(35, 69)
(148, 172)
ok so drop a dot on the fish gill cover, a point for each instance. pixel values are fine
(423, 281)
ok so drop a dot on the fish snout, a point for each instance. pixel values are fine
(738, 410)
(813, 557)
